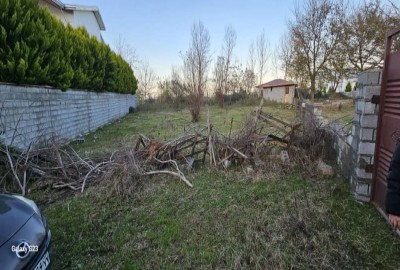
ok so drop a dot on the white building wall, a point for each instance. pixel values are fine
(87, 20)
(278, 94)
(66, 17)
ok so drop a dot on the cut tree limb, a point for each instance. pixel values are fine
(182, 177)
(92, 170)
(239, 153)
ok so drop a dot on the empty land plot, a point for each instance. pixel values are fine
(167, 123)
(229, 219)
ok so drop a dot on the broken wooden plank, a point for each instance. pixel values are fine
(268, 121)
(269, 115)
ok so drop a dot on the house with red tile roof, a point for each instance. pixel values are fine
(278, 90)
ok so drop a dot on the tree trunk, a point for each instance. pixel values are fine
(312, 78)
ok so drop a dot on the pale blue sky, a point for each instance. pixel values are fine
(159, 30)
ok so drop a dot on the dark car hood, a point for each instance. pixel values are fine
(14, 213)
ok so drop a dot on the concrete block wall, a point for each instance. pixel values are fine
(340, 138)
(364, 133)
(32, 114)
(355, 151)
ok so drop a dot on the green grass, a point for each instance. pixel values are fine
(225, 221)
(166, 123)
(344, 113)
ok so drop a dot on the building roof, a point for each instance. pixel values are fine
(71, 7)
(93, 9)
(276, 83)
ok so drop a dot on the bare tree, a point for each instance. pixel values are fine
(286, 55)
(251, 61)
(293, 66)
(262, 55)
(394, 9)
(223, 66)
(337, 68)
(248, 80)
(126, 51)
(219, 80)
(174, 87)
(227, 50)
(239, 79)
(234, 84)
(250, 71)
(196, 62)
(147, 79)
(298, 70)
(314, 33)
(275, 61)
(365, 30)
(178, 88)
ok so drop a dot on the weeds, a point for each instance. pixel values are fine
(281, 216)
(225, 222)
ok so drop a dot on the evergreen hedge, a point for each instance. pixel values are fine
(348, 87)
(36, 48)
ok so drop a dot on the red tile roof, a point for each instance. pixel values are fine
(276, 83)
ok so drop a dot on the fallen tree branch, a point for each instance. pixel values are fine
(92, 170)
(182, 177)
(63, 185)
(240, 153)
(179, 172)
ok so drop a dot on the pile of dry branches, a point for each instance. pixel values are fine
(63, 167)
(261, 139)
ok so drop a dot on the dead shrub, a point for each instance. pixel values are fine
(121, 180)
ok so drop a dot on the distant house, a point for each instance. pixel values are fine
(77, 15)
(278, 90)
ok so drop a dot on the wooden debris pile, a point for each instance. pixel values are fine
(182, 149)
(262, 137)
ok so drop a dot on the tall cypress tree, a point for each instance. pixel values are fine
(36, 48)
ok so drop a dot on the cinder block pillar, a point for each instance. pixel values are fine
(364, 133)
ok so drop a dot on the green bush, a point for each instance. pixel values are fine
(36, 48)
(235, 97)
(243, 98)
(348, 87)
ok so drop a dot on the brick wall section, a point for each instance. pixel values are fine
(33, 114)
(354, 151)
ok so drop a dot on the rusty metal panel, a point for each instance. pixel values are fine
(389, 117)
